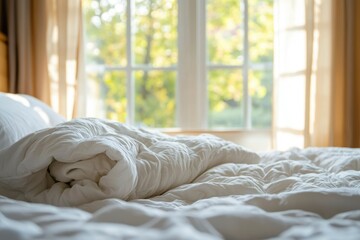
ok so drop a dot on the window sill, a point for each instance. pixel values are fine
(257, 140)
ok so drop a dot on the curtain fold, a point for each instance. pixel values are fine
(3, 48)
(65, 36)
(27, 58)
(356, 74)
(314, 100)
(44, 39)
(3, 63)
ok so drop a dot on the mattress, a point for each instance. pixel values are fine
(97, 179)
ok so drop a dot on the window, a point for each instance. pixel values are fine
(186, 64)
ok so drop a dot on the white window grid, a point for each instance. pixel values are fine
(192, 68)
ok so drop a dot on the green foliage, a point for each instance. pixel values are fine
(105, 25)
(225, 31)
(260, 86)
(154, 43)
(155, 32)
(225, 89)
(115, 100)
(261, 30)
(225, 46)
(155, 99)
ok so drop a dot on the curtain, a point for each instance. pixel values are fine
(25, 47)
(314, 94)
(3, 48)
(3, 63)
(356, 77)
(45, 57)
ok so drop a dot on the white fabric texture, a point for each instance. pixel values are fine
(91, 159)
(312, 193)
(21, 115)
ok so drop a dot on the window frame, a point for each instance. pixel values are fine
(192, 70)
(193, 115)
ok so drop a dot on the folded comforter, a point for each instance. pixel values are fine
(84, 160)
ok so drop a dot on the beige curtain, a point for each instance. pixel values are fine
(314, 81)
(45, 38)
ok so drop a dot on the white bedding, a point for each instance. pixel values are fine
(123, 182)
(91, 159)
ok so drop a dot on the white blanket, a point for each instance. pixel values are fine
(91, 159)
(299, 194)
(175, 188)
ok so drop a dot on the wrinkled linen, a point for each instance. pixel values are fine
(312, 193)
(84, 160)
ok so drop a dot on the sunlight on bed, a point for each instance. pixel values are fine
(22, 100)
(42, 114)
(19, 99)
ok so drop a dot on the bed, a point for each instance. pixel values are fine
(98, 179)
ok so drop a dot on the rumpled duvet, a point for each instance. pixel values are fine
(128, 183)
(84, 160)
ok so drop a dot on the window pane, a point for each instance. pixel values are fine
(115, 95)
(105, 28)
(224, 31)
(155, 98)
(155, 32)
(106, 95)
(225, 99)
(261, 30)
(290, 114)
(94, 95)
(260, 89)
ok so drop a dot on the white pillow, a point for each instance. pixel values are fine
(21, 115)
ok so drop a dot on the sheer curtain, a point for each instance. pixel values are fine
(314, 95)
(45, 51)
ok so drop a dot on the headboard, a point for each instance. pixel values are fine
(3, 64)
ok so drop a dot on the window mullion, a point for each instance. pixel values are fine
(202, 63)
(245, 72)
(190, 85)
(130, 86)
